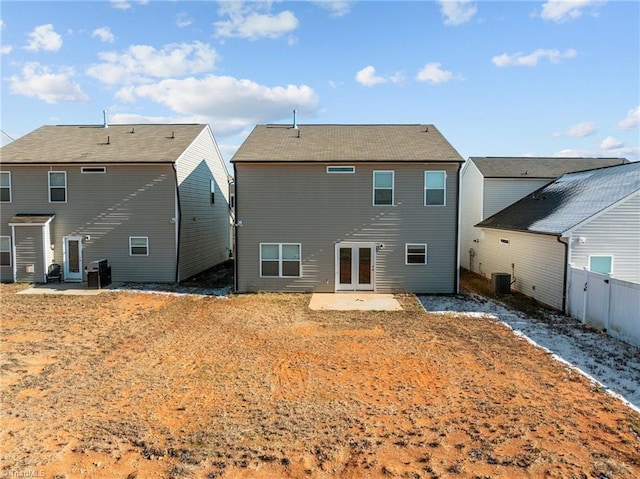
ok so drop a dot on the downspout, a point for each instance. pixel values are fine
(456, 280)
(178, 223)
(13, 254)
(235, 231)
(566, 272)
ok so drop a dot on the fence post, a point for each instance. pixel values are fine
(608, 318)
(584, 296)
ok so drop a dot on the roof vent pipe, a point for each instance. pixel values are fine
(295, 124)
(106, 123)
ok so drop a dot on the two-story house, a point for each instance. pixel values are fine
(326, 208)
(586, 219)
(151, 199)
(490, 184)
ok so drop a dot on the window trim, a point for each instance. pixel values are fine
(406, 254)
(131, 253)
(10, 252)
(281, 260)
(393, 183)
(341, 170)
(65, 186)
(93, 170)
(444, 188)
(10, 200)
(601, 256)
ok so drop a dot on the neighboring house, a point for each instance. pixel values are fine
(584, 219)
(151, 199)
(489, 184)
(327, 208)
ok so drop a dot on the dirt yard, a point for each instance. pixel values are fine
(125, 385)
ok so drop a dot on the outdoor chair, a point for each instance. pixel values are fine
(54, 272)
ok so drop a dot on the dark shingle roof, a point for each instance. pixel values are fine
(144, 143)
(345, 143)
(538, 167)
(568, 201)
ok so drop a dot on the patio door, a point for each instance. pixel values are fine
(72, 258)
(355, 266)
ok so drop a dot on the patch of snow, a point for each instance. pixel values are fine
(612, 364)
(174, 290)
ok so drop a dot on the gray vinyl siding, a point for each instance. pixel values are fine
(471, 186)
(204, 228)
(301, 203)
(108, 208)
(536, 263)
(29, 247)
(502, 192)
(617, 233)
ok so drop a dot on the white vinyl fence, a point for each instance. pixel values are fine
(606, 303)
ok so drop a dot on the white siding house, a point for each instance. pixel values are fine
(490, 184)
(585, 219)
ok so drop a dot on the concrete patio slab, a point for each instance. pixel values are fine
(354, 302)
(70, 289)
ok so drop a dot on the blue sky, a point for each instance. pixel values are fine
(549, 78)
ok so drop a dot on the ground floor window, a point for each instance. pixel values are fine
(5, 251)
(416, 253)
(138, 246)
(601, 264)
(280, 259)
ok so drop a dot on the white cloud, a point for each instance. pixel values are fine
(5, 49)
(336, 8)
(141, 63)
(226, 99)
(183, 20)
(121, 4)
(125, 4)
(457, 12)
(38, 81)
(611, 143)
(44, 37)
(586, 128)
(632, 120)
(531, 60)
(367, 77)
(432, 73)
(248, 21)
(563, 10)
(104, 34)
(609, 148)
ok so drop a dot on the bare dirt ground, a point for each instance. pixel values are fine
(126, 385)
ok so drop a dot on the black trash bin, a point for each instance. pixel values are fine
(98, 274)
(93, 280)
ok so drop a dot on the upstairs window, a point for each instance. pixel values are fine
(341, 169)
(212, 189)
(57, 187)
(434, 188)
(5, 187)
(5, 251)
(94, 169)
(383, 188)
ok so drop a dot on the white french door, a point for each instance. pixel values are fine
(72, 258)
(355, 266)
